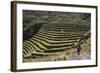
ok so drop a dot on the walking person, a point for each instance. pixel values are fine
(78, 49)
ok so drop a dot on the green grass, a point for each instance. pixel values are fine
(86, 45)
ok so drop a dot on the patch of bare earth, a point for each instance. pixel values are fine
(82, 56)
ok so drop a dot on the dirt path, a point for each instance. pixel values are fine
(61, 57)
(82, 56)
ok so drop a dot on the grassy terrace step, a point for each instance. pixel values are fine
(34, 55)
(34, 47)
(40, 53)
(55, 50)
(64, 27)
(28, 45)
(53, 41)
(40, 46)
(26, 49)
(44, 53)
(70, 36)
(53, 34)
(50, 38)
(58, 35)
(56, 32)
(51, 45)
(48, 52)
(67, 29)
(61, 32)
(27, 55)
(58, 48)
